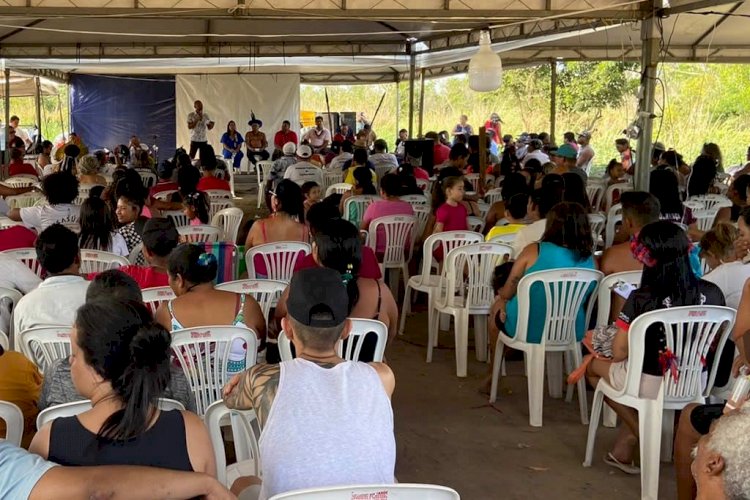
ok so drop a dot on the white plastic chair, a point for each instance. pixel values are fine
(83, 192)
(218, 194)
(712, 201)
(401, 491)
(475, 223)
(416, 200)
(620, 187)
(135, 253)
(473, 180)
(20, 181)
(594, 191)
(331, 178)
(155, 296)
(165, 195)
(484, 209)
(567, 291)
(604, 293)
(265, 292)
(353, 348)
(148, 178)
(96, 261)
(384, 169)
(23, 200)
(5, 222)
(28, 257)
(245, 433)
(398, 232)
(698, 326)
(262, 172)
(493, 196)
(358, 204)
(338, 188)
(466, 290)
(597, 223)
(201, 233)
(425, 281)
(611, 229)
(229, 219)
(13, 418)
(705, 218)
(217, 206)
(203, 354)
(77, 407)
(46, 344)
(178, 217)
(4, 341)
(279, 259)
(694, 205)
(422, 215)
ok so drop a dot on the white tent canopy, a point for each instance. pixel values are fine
(26, 86)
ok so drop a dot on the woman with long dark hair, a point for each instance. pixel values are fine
(575, 191)
(287, 220)
(120, 361)
(702, 177)
(97, 228)
(664, 185)
(668, 281)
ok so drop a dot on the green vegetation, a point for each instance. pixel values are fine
(52, 114)
(696, 103)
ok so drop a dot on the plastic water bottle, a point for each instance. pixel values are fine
(740, 391)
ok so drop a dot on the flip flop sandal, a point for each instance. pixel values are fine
(626, 468)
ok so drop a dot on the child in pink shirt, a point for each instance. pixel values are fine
(196, 206)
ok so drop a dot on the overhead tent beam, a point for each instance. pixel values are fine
(20, 30)
(717, 24)
(699, 5)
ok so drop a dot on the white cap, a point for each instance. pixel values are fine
(289, 148)
(303, 151)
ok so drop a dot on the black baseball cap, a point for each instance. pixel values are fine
(318, 298)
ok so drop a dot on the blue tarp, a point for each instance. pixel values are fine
(106, 111)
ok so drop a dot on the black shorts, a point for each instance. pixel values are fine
(703, 416)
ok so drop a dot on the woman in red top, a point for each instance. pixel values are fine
(18, 167)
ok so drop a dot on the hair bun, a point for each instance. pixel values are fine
(207, 259)
(150, 347)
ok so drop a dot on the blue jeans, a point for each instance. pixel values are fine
(237, 157)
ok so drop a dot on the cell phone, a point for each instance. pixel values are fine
(623, 289)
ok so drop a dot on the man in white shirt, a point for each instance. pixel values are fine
(304, 171)
(540, 203)
(586, 152)
(61, 190)
(319, 137)
(199, 124)
(346, 153)
(535, 151)
(56, 300)
(20, 133)
(381, 157)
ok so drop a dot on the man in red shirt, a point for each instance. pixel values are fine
(283, 136)
(495, 124)
(160, 237)
(209, 181)
(440, 152)
(17, 166)
(345, 134)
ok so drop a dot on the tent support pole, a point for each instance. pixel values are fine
(38, 82)
(6, 156)
(412, 71)
(649, 63)
(421, 101)
(398, 104)
(553, 102)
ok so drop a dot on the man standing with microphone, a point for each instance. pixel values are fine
(198, 123)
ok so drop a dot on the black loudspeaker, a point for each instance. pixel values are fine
(419, 152)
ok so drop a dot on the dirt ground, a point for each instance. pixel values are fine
(447, 433)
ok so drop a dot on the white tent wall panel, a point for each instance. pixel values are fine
(273, 98)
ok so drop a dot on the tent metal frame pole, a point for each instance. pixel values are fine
(421, 101)
(398, 104)
(553, 102)
(649, 65)
(6, 156)
(38, 83)
(412, 74)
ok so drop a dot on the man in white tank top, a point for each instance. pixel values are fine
(325, 421)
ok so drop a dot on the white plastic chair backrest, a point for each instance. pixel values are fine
(705, 218)
(493, 196)
(23, 200)
(611, 228)
(353, 348)
(489, 180)
(155, 296)
(475, 223)
(383, 169)
(201, 233)
(11, 293)
(20, 181)
(398, 231)
(13, 418)
(77, 407)
(178, 217)
(279, 259)
(265, 292)
(229, 219)
(597, 223)
(165, 195)
(423, 184)
(217, 206)
(594, 191)
(331, 178)
(447, 240)
(83, 192)
(474, 180)
(566, 291)
(261, 173)
(358, 204)
(135, 253)
(694, 205)
(422, 214)
(467, 273)
(698, 327)
(401, 491)
(4, 341)
(484, 207)
(96, 261)
(712, 200)
(604, 293)
(246, 448)
(148, 178)
(416, 200)
(218, 194)
(28, 257)
(611, 190)
(338, 188)
(45, 344)
(203, 354)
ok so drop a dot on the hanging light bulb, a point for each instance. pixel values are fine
(485, 67)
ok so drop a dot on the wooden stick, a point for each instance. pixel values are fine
(377, 109)
(328, 110)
